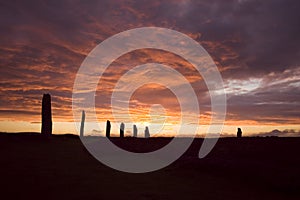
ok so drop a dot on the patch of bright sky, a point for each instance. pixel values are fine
(241, 86)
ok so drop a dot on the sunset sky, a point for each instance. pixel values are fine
(255, 45)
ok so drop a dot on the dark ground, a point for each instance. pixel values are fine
(59, 167)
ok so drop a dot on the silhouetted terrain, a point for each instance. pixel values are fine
(59, 167)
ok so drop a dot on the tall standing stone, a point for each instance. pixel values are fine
(135, 131)
(108, 127)
(122, 128)
(239, 133)
(82, 124)
(147, 133)
(46, 115)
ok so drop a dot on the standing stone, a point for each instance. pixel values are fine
(147, 133)
(239, 133)
(122, 128)
(82, 124)
(135, 131)
(108, 126)
(46, 115)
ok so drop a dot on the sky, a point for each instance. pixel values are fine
(254, 44)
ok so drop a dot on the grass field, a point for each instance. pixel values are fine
(59, 167)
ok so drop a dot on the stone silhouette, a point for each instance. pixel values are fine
(147, 133)
(135, 131)
(122, 128)
(82, 124)
(239, 133)
(108, 126)
(46, 115)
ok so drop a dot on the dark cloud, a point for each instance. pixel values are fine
(276, 100)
